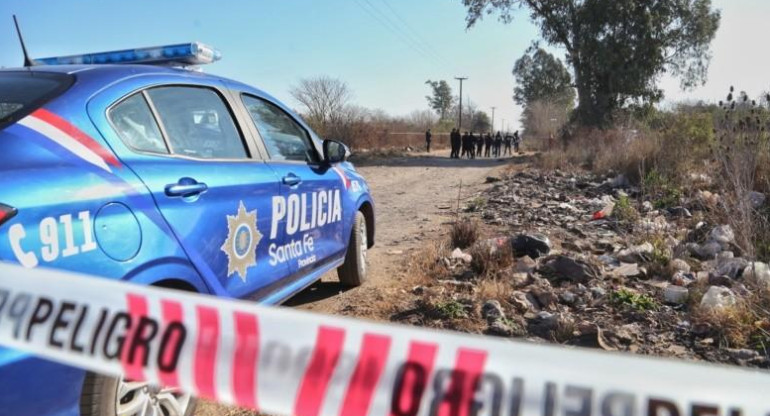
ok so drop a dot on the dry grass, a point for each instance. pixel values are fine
(745, 325)
(425, 264)
(464, 233)
(499, 289)
(491, 262)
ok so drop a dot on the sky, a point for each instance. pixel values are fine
(384, 49)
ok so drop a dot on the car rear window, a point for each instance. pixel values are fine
(23, 92)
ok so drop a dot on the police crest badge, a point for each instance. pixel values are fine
(243, 237)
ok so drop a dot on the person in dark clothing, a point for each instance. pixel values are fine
(516, 141)
(498, 143)
(454, 141)
(480, 144)
(472, 147)
(507, 139)
(464, 141)
(428, 137)
(487, 145)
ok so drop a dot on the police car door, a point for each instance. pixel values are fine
(186, 146)
(311, 193)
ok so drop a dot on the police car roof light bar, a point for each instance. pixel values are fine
(184, 54)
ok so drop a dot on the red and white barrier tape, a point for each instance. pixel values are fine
(285, 361)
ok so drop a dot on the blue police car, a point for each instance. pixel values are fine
(131, 166)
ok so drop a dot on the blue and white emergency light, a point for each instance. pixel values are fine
(184, 54)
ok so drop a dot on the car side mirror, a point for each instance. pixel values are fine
(335, 152)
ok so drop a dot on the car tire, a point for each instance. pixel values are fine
(100, 397)
(353, 271)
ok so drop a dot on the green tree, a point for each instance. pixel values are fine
(540, 76)
(441, 99)
(618, 48)
(544, 88)
(481, 122)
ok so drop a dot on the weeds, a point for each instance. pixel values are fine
(625, 212)
(491, 262)
(638, 301)
(450, 309)
(476, 204)
(464, 233)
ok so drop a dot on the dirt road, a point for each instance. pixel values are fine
(414, 196)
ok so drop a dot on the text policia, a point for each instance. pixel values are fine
(288, 362)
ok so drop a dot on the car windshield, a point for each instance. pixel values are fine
(23, 92)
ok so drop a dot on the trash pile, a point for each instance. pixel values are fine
(591, 262)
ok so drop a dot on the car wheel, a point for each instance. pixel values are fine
(353, 271)
(112, 396)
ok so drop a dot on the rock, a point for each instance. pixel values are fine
(458, 254)
(679, 265)
(609, 261)
(725, 255)
(520, 279)
(532, 245)
(723, 235)
(499, 328)
(758, 273)
(524, 265)
(647, 206)
(757, 199)
(598, 292)
(707, 197)
(566, 268)
(492, 179)
(545, 297)
(706, 251)
(636, 254)
(492, 311)
(628, 270)
(568, 297)
(547, 319)
(676, 295)
(718, 298)
(732, 268)
(679, 212)
(523, 302)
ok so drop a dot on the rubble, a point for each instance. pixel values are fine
(582, 276)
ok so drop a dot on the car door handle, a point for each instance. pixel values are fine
(291, 180)
(186, 187)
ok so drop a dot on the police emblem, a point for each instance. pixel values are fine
(243, 237)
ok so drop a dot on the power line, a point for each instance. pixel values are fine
(381, 18)
(426, 45)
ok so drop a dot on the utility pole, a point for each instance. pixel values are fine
(460, 122)
(493, 120)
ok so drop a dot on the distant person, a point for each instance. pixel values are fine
(428, 137)
(487, 145)
(498, 143)
(480, 144)
(507, 140)
(517, 141)
(454, 141)
(465, 139)
(472, 147)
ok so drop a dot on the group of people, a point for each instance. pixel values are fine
(472, 146)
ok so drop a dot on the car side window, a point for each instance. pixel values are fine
(134, 123)
(285, 138)
(197, 123)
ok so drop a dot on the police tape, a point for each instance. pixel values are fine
(284, 361)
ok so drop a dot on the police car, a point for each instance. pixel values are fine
(131, 166)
